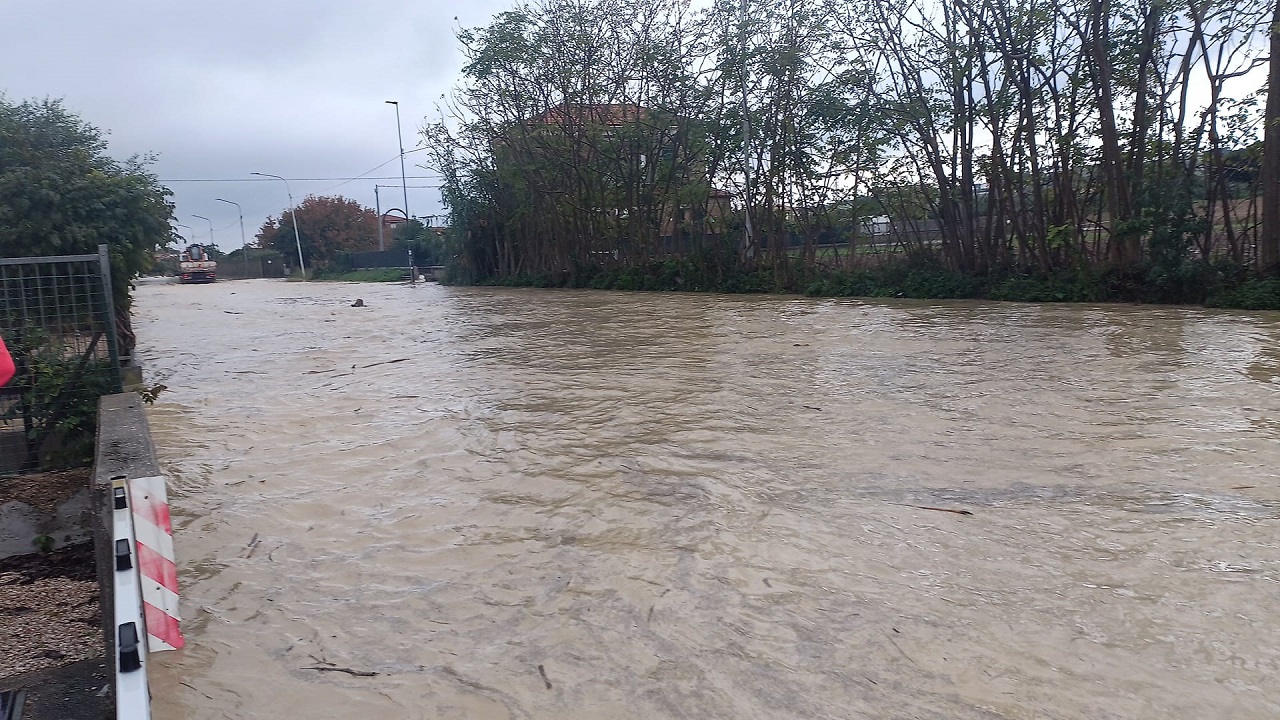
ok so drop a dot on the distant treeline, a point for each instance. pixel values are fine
(1086, 149)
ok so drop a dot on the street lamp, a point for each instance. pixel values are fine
(189, 230)
(404, 184)
(294, 212)
(244, 245)
(211, 243)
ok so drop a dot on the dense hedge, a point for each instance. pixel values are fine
(1214, 285)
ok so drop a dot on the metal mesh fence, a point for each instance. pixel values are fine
(58, 321)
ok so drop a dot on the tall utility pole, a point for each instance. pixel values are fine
(244, 244)
(748, 243)
(302, 266)
(404, 184)
(377, 206)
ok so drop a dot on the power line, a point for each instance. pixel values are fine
(344, 180)
(361, 176)
(339, 180)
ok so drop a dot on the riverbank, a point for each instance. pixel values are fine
(1209, 285)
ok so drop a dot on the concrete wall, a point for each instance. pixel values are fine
(124, 451)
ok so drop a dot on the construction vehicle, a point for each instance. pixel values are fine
(195, 266)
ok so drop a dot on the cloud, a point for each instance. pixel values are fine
(220, 90)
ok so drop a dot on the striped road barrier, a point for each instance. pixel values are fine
(146, 588)
(156, 565)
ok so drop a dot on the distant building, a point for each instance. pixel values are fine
(665, 137)
(391, 223)
(876, 225)
(579, 114)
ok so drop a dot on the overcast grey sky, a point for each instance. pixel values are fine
(222, 89)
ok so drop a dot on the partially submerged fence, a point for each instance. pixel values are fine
(58, 320)
(373, 259)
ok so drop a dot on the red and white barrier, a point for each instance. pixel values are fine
(133, 695)
(153, 534)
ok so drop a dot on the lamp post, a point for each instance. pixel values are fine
(211, 243)
(294, 212)
(404, 184)
(189, 230)
(244, 245)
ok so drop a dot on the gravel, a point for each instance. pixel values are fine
(44, 490)
(49, 613)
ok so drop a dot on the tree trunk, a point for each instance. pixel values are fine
(1124, 242)
(1269, 242)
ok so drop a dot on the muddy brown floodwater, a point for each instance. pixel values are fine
(559, 505)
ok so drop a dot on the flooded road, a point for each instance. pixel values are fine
(534, 504)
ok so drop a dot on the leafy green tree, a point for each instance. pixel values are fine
(427, 244)
(62, 194)
(326, 227)
(1044, 137)
(577, 144)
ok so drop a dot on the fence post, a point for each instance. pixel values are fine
(108, 297)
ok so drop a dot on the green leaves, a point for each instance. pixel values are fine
(1023, 136)
(326, 227)
(61, 194)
